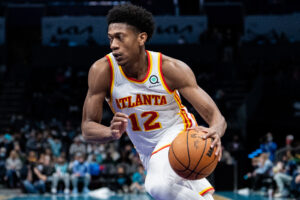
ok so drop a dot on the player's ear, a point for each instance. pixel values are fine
(142, 38)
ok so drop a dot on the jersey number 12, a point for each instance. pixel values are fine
(149, 124)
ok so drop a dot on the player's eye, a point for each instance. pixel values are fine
(121, 37)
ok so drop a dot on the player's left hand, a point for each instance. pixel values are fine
(212, 133)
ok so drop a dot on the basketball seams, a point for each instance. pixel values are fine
(198, 173)
(178, 159)
(204, 150)
(188, 150)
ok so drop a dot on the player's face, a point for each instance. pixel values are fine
(124, 42)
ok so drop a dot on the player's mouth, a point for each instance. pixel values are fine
(117, 56)
(119, 59)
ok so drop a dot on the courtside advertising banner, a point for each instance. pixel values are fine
(272, 27)
(2, 30)
(86, 30)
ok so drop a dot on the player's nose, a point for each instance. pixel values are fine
(114, 45)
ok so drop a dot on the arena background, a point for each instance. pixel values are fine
(245, 54)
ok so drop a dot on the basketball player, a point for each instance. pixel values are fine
(142, 88)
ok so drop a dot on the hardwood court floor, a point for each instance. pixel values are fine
(219, 196)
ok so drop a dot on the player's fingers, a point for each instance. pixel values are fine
(115, 124)
(119, 114)
(119, 118)
(198, 128)
(115, 131)
(217, 149)
(202, 129)
(216, 140)
(116, 134)
(124, 125)
(210, 133)
(115, 118)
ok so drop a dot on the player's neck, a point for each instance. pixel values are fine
(138, 68)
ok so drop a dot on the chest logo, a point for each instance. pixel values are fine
(153, 79)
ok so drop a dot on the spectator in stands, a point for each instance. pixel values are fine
(34, 142)
(77, 147)
(268, 146)
(282, 180)
(289, 140)
(48, 152)
(37, 175)
(263, 171)
(1, 139)
(295, 186)
(112, 149)
(55, 145)
(34, 182)
(138, 180)
(123, 181)
(2, 163)
(46, 168)
(32, 157)
(8, 142)
(97, 151)
(283, 174)
(80, 172)
(13, 166)
(40, 161)
(19, 152)
(94, 167)
(126, 154)
(18, 139)
(61, 173)
(108, 159)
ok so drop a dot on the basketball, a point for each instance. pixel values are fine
(191, 157)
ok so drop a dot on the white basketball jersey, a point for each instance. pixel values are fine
(152, 107)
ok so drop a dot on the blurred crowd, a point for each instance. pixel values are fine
(276, 172)
(52, 157)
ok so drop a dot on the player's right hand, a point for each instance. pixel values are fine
(118, 125)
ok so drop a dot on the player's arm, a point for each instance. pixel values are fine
(179, 76)
(99, 85)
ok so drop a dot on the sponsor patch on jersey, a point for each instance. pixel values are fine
(153, 79)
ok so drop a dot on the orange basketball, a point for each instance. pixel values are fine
(191, 157)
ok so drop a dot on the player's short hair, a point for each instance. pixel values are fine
(135, 16)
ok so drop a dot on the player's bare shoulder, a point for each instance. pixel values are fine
(176, 72)
(99, 76)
